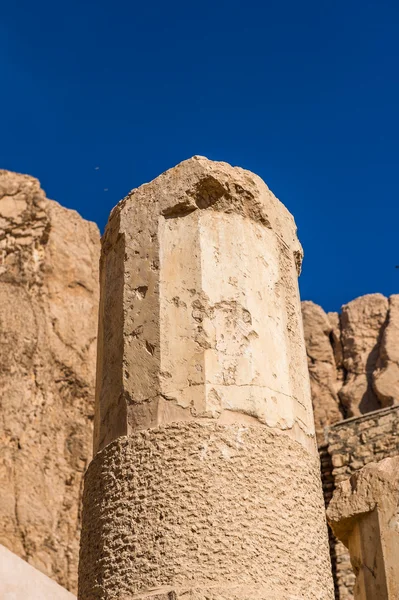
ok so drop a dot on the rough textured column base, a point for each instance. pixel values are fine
(204, 511)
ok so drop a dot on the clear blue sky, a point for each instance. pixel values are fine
(306, 94)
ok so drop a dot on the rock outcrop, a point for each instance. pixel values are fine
(386, 379)
(362, 326)
(353, 357)
(351, 445)
(323, 371)
(48, 324)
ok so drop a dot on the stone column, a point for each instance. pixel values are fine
(205, 483)
(364, 515)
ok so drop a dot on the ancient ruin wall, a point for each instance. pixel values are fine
(353, 360)
(363, 514)
(205, 483)
(352, 444)
(48, 322)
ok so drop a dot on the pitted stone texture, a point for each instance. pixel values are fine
(200, 313)
(324, 381)
(48, 322)
(208, 510)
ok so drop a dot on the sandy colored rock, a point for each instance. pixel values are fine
(362, 322)
(48, 322)
(200, 313)
(386, 376)
(323, 372)
(364, 515)
(352, 444)
(205, 483)
(204, 511)
(21, 581)
(364, 342)
(336, 343)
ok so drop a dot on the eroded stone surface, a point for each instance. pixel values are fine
(215, 492)
(324, 379)
(353, 357)
(364, 515)
(336, 343)
(352, 444)
(363, 341)
(206, 511)
(48, 322)
(386, 376)
(362, 320)
(200, 313)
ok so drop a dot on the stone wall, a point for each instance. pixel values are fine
(350, 445)
(353, 360)
(48, 323)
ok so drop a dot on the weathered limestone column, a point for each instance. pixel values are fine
(205, 483)
(364, 515)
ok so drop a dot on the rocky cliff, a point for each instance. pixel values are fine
(353, 357)
(48, 323)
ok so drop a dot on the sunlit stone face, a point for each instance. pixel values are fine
(209, 307)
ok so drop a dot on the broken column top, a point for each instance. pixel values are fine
(200, 183)
(200, 313)
(375, 485)
(364, 515)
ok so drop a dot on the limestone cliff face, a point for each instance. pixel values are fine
(323, 370)
(48, 323)
(353, 357)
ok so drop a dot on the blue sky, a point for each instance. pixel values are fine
(306, 94)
